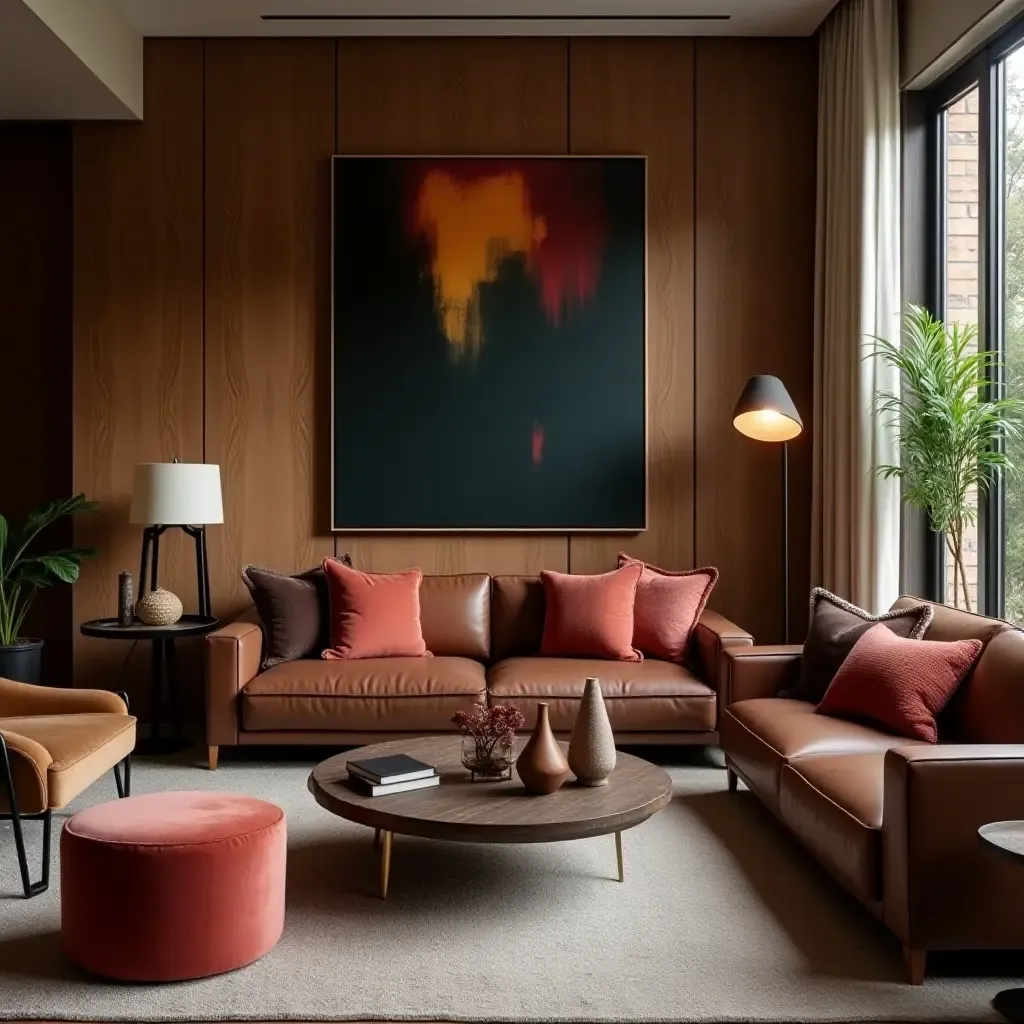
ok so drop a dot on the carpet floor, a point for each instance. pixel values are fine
(722, 917)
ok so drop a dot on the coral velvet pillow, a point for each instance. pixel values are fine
(590, 616)
(668, 605)
(898, 684)
(374, 615)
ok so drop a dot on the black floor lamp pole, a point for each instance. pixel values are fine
(785, 541)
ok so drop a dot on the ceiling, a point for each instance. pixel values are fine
(466, 17)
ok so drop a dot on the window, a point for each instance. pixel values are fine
(978, 245)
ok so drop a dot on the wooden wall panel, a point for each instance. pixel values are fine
(35, 296)
(453, 96)
(138, 335)
(755, 148)
(636, 96)
(269, 137)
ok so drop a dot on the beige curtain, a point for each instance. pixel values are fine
(856, 515)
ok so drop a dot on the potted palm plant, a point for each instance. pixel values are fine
(951, 435)
(23, 571)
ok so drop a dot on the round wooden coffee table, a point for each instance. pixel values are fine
(463, 811)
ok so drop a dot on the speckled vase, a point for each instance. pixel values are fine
(592, 745)
(542, 767)
(159, 608)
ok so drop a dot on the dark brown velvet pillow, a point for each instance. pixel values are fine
(836, 625)
(294, 612)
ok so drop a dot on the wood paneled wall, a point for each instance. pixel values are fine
(35, 347)
(202, 300)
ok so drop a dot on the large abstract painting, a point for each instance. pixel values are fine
(489, 344)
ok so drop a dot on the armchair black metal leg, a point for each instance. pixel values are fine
(16, 818)
(124, 786)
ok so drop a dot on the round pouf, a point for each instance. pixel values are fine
(171, 886)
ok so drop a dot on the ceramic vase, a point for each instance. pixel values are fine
(592, 745)
(542, 766)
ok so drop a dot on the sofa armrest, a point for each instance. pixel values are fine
(712, 635)
(749, 672)
(233, 655)
(942, 888)
(21, 699)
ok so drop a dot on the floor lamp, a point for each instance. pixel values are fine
(765, 412)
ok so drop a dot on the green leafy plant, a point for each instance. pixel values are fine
(23, 572)
(951, 436)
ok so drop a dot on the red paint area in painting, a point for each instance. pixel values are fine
(537, 444)
(475, 213)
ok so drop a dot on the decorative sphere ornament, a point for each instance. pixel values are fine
(159, 608)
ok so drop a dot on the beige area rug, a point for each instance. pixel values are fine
(721, 918)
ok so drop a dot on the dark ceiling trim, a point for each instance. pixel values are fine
(496, 17)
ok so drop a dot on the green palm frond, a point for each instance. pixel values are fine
(951, 434)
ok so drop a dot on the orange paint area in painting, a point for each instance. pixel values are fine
(475, 214)
(472, 227)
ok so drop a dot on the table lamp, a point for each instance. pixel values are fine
(765, 412)
(183, 494)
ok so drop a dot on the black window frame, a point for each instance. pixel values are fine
(984, 70)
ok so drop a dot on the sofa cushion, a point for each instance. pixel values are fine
(517, 616)
(455, 613)
(590, 616)
(899, 685)
(645, 696)
(760, 735)
(833, 803)
(390, 694)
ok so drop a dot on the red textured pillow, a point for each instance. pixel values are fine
(590, 616)
(898, 684)
(668, 605)
(374, 615)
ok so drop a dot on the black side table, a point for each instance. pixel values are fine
(163, 664)
(1007, 839)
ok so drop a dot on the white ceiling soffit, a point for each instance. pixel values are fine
(479, 18)
(68, 60)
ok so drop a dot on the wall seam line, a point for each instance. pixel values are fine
(694, 448)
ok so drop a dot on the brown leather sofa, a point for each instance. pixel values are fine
(895, 820)
(484, 633)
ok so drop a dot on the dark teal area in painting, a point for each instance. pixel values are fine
(424, 441)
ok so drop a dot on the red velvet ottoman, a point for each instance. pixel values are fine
(171, 886)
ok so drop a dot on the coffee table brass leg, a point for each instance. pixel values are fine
(385, 864)
(618, 855)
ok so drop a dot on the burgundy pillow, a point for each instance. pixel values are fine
(668, 605)
(374, 615)
(294, 612)
(590, 616)
(897, 684)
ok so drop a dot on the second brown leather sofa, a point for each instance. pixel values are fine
(484, 633)
(894, 820)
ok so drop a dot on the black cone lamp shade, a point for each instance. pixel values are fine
(765, 411)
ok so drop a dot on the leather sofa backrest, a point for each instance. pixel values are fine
(517, 616)
(455, 612)
(989, 705)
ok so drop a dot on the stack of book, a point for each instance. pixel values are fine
(398, 773)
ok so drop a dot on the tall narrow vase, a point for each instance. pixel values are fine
(592, 746)
(542, 766)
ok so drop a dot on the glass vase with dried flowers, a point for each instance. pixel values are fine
(489, 740)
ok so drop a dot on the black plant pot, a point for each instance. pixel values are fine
(21, 661)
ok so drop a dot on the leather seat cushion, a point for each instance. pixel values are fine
(645, 696)
(760, 735)
(83, 748)
(391, 694)
(833, 803)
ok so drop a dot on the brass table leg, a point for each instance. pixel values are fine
(385, 864)
(618, 855)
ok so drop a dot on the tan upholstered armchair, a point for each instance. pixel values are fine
(53, 744)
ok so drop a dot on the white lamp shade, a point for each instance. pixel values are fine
(176, 494)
